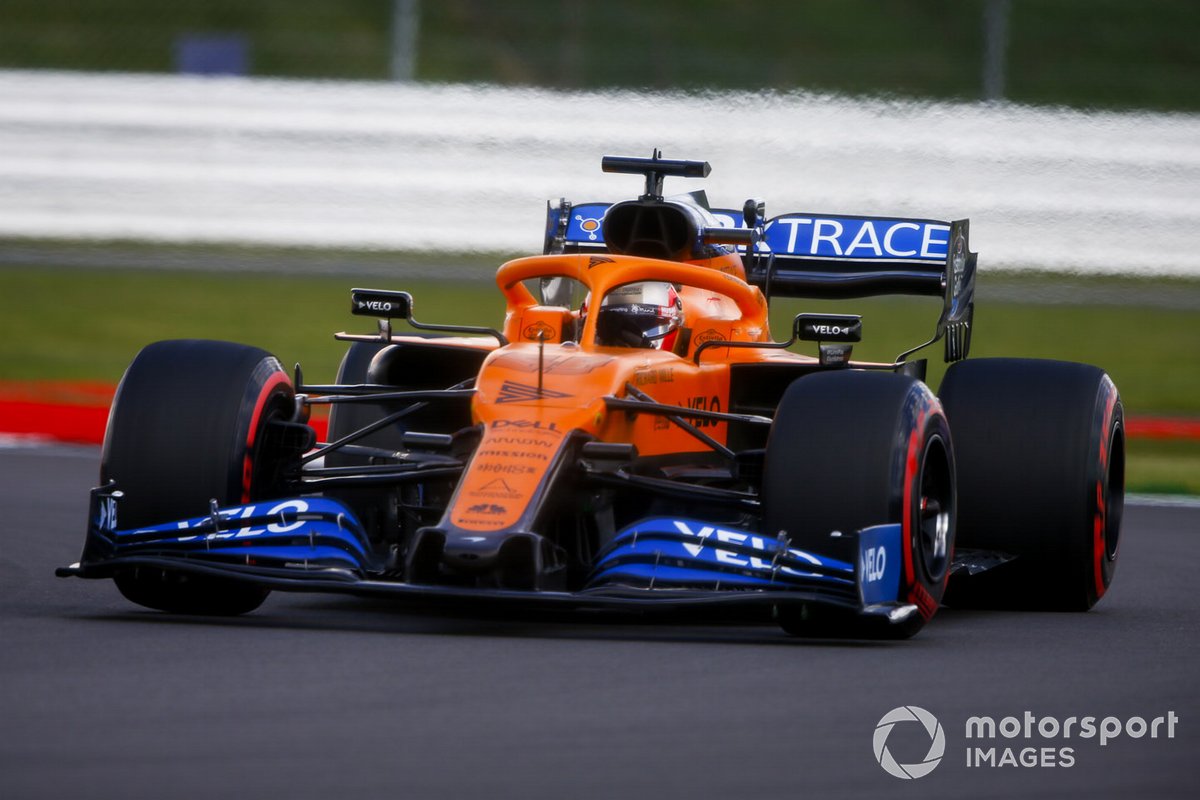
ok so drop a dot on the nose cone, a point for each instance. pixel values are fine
(506, 559)
(473, 553)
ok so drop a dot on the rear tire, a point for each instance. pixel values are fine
(1041, 453)
(848, 450)
(186, 427)
(403, 367)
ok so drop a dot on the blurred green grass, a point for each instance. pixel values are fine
(83, 324)
(87, 324)
(1163, 467)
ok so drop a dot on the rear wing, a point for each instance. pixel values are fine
(822, 256)
(827, 256)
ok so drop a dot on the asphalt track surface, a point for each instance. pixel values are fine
(319, 697)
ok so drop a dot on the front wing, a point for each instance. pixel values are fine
(659, 564)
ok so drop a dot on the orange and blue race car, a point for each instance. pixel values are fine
(631, 440)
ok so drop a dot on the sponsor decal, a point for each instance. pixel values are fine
(596, 261)
(703, 403)
(539, 331)
(874, 564)
(835, 354)
(589, 225)
(380, 302)
(513, 392)
(487, 508)
(711, 536)
(912, 721)
(848, 237)
(497, 488)
(520, 441)
(246, 512)
(959, 260)
(652, 376)
(826, 327)
(526, 454)
(880, 563)
(506, 469)
(479, 522)
(709, 335)
(526, 426)
(106, 518)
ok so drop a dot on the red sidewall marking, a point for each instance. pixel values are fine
(275, 380)
(917, 593)
(1100, 521)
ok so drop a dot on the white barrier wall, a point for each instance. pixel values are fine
(453, 167)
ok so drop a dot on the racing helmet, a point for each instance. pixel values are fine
(647, 314)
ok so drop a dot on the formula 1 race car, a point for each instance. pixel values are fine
(632, 439)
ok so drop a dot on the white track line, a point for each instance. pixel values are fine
(460, 167)
(1162, 500)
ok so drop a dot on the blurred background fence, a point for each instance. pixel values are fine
(1081, 53)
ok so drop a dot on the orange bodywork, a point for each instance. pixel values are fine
(537, 391)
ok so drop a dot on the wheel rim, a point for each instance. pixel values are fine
(935, 511)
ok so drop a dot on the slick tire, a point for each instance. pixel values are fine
(186, 427)
(1041, 454)
(851, 449)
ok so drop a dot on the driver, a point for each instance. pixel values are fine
(647, 314)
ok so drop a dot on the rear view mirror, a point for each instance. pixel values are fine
(380, 303)
(828, 327)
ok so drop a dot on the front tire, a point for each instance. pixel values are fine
(187, 427)
(848, 450)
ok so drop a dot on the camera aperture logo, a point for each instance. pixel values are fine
(1025, 741)
(926, 725)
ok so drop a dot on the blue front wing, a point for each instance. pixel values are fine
(317, 544)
